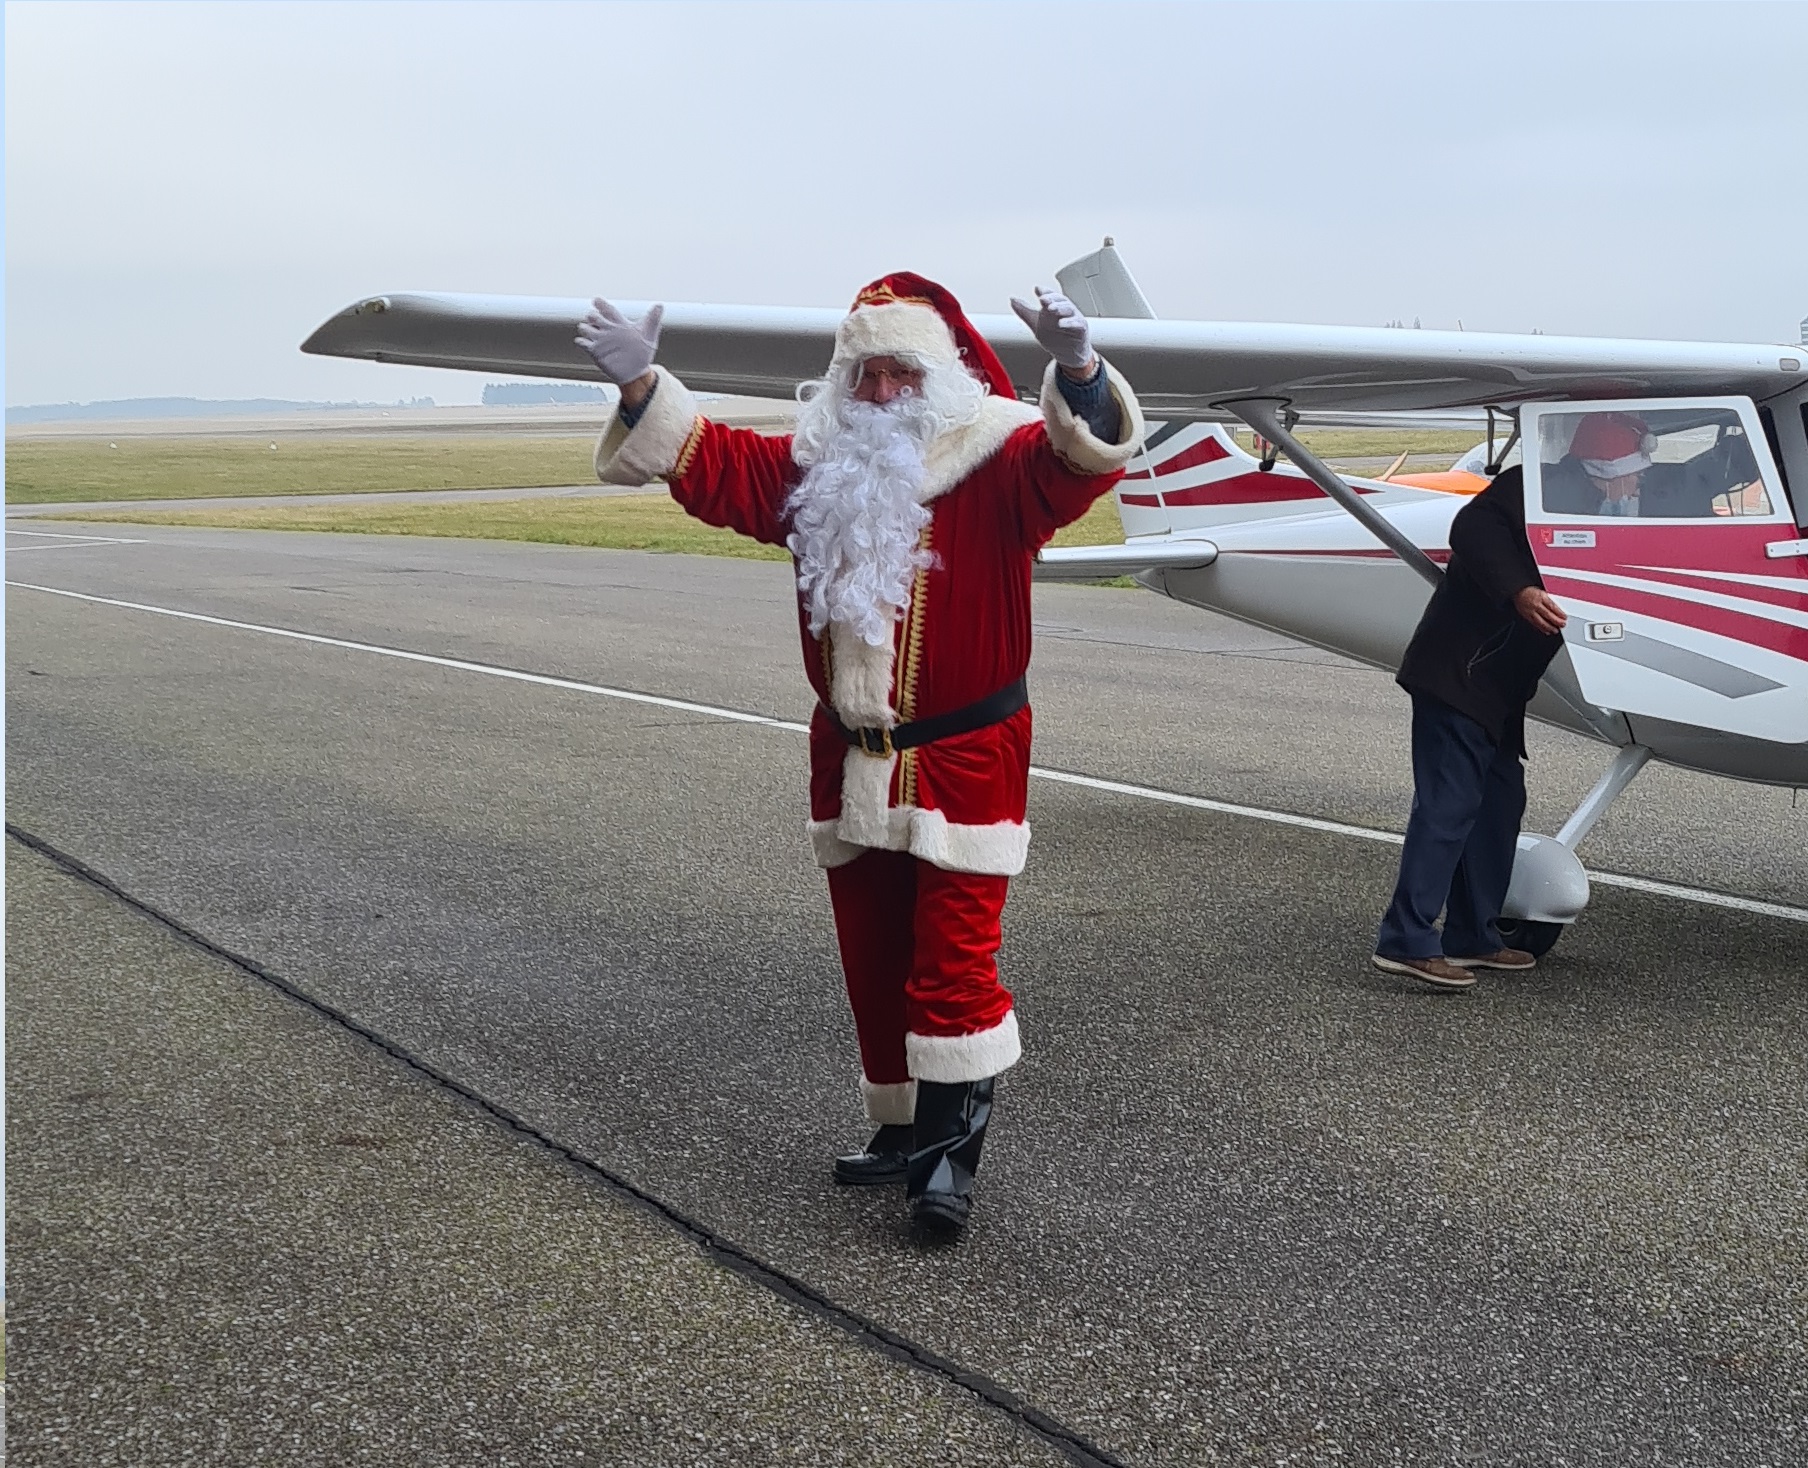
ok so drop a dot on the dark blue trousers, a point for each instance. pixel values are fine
(1468, 799)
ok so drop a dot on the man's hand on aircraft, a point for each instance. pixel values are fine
(1540, 608)
(622, 349)
(1061, 329)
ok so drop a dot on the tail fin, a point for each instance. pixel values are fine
(1193, 475)
(1100, 284)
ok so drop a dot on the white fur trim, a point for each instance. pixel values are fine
(997, 850)
(893, 1105)
(1079, 447)
(827, 846)
(953, 456)
(952, 1059)
(896, 329)
(860, 688)
(1633, 463)
(650, 449)
(865, 798)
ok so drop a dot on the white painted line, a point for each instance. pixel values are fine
(19, 550)
(1702, 895)
(80, 540)
(490, 669)
(1199, 802)
(1392, 838)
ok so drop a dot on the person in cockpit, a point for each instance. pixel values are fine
(1609, 470)
(1602, 472)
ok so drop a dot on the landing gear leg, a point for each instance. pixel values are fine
(1549, 887)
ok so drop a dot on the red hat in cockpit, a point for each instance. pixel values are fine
(1612, 445)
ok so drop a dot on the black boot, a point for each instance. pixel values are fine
(950, 1129)
(881, 1162)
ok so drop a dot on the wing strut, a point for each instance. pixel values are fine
(1264, 416)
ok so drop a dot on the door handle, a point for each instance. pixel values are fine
(1777, 549)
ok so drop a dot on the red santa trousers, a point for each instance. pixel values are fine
(918, 947)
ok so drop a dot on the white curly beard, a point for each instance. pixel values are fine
(855, 518)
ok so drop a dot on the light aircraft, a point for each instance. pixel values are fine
(1688, 634)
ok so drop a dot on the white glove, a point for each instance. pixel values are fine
(1059, 326)
(623, 349)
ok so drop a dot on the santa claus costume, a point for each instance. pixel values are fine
(913, 550)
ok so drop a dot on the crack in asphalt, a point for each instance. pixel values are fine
(718, 1249)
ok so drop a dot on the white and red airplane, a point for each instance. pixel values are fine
(1688, 633)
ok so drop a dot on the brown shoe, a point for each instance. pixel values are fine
(1507, 958)
(1438, 972)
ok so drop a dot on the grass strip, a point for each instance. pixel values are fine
(45, 472)
(1384, 443)
(64, 471)
(649, 522)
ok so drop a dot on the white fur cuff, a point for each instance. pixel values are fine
(952, 1059)
(1080, 448)
(652, 448)
(893, 1105)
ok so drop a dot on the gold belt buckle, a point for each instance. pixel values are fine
(876, 742)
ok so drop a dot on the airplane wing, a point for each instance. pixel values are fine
(1101, 562)
(1182, 370)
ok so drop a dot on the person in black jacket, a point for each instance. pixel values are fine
(1486, 638)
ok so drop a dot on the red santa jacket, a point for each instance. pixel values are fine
(997, 490)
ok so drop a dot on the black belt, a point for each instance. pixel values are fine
(994, 708)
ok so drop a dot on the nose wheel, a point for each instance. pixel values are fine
(1530, 937)
(1549, 887)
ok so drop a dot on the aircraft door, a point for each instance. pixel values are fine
(1661, 527)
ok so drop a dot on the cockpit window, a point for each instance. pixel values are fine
(1666, 464)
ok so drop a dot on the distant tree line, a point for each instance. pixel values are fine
(539, 394)
(123, 408)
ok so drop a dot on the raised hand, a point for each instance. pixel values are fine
(622, 349)
(1059, 327)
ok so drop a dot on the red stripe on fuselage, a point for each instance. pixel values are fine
(1795, 598)
(1254, 488)
(1746, 627)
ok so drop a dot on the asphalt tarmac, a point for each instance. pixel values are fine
(1245, 1200)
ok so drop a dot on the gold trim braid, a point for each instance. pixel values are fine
(913, 665)
(689, 451)
(884, 295)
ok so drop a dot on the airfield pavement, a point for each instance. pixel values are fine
(1245, 1200)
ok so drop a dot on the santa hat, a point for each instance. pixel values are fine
(904, 315)
(1611, 445)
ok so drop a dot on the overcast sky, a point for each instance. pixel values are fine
(190, 189)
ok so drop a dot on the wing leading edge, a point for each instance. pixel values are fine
(1182, 369)
(1101, 562)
